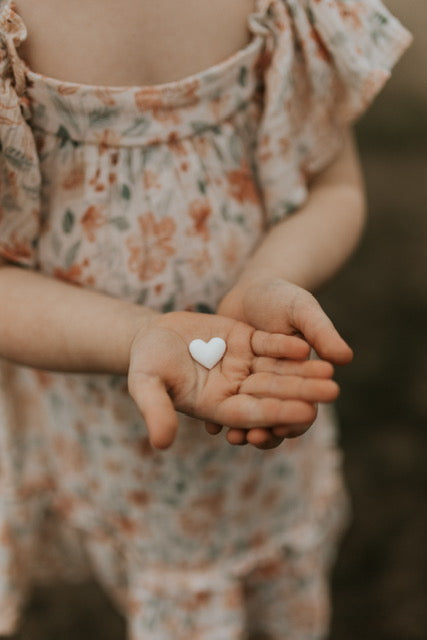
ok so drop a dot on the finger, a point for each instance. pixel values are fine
(305, 368)
(236, 436)
(246, 412)
(291, 430)
(310, 319)
(277, 345)
(153, 401)
(262, 438)
(270, 385)
(213, 428)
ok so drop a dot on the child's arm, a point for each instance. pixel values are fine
(296, 257)
(301, 253)
(49, 324)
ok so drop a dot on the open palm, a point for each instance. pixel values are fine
(251, 386)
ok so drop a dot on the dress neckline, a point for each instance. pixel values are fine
(171, 87)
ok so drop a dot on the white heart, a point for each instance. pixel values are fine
(207, 353)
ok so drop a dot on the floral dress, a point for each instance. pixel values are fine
(158, 195)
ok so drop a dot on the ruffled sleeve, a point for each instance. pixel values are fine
(324, 62)
(19, 163)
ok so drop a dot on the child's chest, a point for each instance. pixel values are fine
(132, 42)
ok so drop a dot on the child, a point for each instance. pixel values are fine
(157, 173)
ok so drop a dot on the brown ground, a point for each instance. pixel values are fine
(379, 302)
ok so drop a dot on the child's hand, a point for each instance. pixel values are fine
(250, 387)
(273, 304)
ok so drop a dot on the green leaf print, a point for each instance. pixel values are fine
(102, 116)
(139, 127)
(17, 159)
(142, 297)
(66, 111)
(65, 137)
(378, 23)
(290, 207)
(236, 148)
(68, 221)
(33, 192)
(311, 16)
(243, 76)
(382, 19)
(120, 222)
(71, 254)
(217, 150)
(146, 154)
(164, 203)
(9, 203)
(169, 305)
(201, 307)
(125, 192)
(202, 186)
(201, 127)
(106, 441)
(225, 213)
(56, 244)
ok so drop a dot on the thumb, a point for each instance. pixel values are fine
(153, 401)
(310, 319)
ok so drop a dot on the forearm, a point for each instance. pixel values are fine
(49, 324)
(308, 247)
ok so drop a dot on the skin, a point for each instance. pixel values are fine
(253, 384)
(296, 257)
(53, 325)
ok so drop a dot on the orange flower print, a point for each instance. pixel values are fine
(351, 15)
(176, 145)
(106, 139)
(126, 525)
(149, 98)
(322, 51)
(12, 112)
(150, 249)
(201, 145)
(264, 149)
(95, 181)
(232, 598)
(92, 220)
(74, 178)
(44, 378)
(217, 104)
(200, 211)
(66, 90)
(72, 274)
(166, 115)
(139, 497)
(263, 62)
(191, 90)
(201, 263)
(106, 96)
(150, 179)
(284, 144)
(231, 251)
(12, 184)
(16, 250)
(242, 185)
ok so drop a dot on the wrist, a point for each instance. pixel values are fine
(233, 303)
(139, 320)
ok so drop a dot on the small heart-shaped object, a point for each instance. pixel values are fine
(209, 353)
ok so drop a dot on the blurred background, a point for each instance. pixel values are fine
(379, 302)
